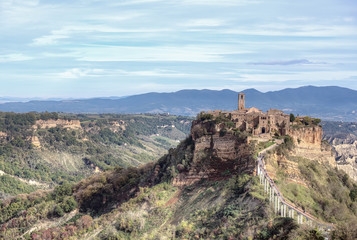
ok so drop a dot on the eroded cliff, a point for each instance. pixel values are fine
(308, 144)
(303, 143)
(213, 151)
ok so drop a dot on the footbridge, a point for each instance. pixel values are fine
(283, 207)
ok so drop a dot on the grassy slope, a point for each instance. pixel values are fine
(327, 195)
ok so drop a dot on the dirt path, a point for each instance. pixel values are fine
(27, 181)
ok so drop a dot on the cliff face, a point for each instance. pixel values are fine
(289, 167)
(346, 155)
(343, 138)
(309, 136)
(72, 124)
(308, 144)
(217, 153)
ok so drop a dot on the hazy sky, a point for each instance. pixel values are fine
(87, 48)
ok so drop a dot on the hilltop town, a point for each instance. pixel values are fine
(256, 122)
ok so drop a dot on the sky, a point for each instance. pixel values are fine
(99, 48)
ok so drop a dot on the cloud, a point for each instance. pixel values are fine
(156, 73)
(80, 72)
(69, 31)
(296, 19)
(288, 62)
(190, 53)
(204, 23)
(14, 57)
(124, 16)
(328, 77)
(48, 40)
(295, 30)
(220, 2)
(135, 2)
(348, 19)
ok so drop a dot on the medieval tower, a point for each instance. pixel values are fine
(241, 101)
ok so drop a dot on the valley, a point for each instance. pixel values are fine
(40, 151)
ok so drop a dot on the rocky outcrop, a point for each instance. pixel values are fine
(309, 145)
(117, 126)
(343, 138)
(309, 136)
(35, 141)
(346, 158)
(3, 135)
(218, 152)
(72, 124)
(290, 168)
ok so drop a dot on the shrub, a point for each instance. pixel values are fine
(69, 204)
(205, 116)
(58, 211)
(353, 194)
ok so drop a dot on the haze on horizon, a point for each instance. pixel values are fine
(89, 48)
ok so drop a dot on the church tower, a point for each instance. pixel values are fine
(241, 101)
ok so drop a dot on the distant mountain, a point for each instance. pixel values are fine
(329, 103)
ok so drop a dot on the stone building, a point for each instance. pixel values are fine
(256, 122)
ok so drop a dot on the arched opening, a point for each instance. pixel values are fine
(263, 129)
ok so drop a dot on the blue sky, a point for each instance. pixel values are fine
(91, 48)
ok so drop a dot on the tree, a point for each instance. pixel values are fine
(316, 121)
(58, 211)
(292, 117)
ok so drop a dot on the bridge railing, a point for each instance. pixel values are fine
(283, 207)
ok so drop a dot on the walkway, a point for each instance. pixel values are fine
(282, 206)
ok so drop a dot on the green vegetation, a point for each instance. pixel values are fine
(143, 203)
(10, 185)
(261, 146)
(329, 194)
(284, 148)
(204, 116)
(69, 154)
(305, 121)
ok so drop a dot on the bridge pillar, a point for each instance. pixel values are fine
(278, 204)
(282, 210)
(260, 174)
(267, 186)
(270, 193)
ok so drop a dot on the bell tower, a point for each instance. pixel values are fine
(241, 101)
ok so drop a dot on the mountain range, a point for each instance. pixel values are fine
(328, 103)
